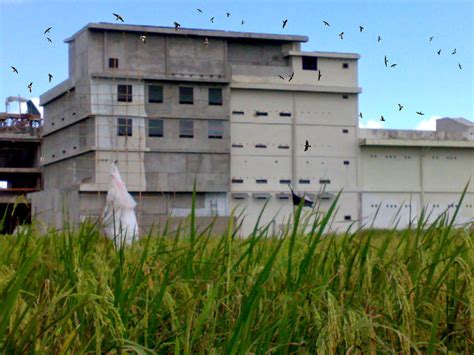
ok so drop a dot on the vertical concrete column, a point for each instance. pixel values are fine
(422, 189)
(293, 143)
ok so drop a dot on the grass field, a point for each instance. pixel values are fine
(369, 291)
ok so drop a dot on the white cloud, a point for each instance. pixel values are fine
(428, 124)
(371, 124)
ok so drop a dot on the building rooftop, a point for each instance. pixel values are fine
(143, 29)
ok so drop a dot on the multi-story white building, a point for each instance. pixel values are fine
(234, 110)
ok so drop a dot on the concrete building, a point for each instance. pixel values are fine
(209, 104)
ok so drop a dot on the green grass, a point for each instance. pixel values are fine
(72, 291)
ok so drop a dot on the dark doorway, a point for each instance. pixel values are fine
(12, 215)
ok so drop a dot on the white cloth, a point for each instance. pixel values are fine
(120, 221)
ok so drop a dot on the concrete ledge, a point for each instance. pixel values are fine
(322, 55)
(161, 77)
(415, 143)
(56, 91)
(295, 87)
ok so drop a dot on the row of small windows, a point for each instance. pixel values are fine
(409, 157)
(434, 205)
(155, 94)
(156, 128)
(282, 181)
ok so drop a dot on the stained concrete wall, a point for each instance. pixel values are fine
(70, 172)
(256, 53)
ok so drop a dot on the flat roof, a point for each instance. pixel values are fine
(145, 29)
(336, 55)
(415, 143)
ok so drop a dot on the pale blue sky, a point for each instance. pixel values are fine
(421, 81)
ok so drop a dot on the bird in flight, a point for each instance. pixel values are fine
(431, 38)
(454, 52)
(281, 77)
(118, 17)
(241, 23)
(360, 115)
(382, 119)
(319, 75)
(297, 199)
(47, 30)
(199, 10)
(30, 85)
(176, 25)
(227, 14)
(49, 40)
(439, 52)
(361, 28)
(291, 76)
(307, 146)
(341, 35)
(460, 66)
(206, 42)
(14, 69)
(385, 60)
(50, 77)
(379, 38)
(284, 23)
(143, 38)
(326, 23)
(400, 107)
(211, 19)
(393, 65)
(420, 113)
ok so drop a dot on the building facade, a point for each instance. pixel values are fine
(230, 110)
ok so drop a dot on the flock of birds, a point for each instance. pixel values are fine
(177, 25)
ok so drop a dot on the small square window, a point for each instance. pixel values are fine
(346, 162)
(155, 128)
(113, 62)
(215, 96)
(304, 181)
(124, 127)
(124, 93)
(324, 181)
(186, 95)
(345, 97)
(261, 181)
(285, 181)
(347, 217)
(261, 113)
(345, 130)
(237, 181)
(285, 114)
(345, 65)
(310, 63)
(186, 129)
(283, 146)
(237, 112)
(216, 129)
(155, 94)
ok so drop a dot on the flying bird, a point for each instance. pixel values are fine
(382, 119)
(211, 19)
(306, 146)
(439, 52)
(14, 69)
(118, 17)
(360, 115)
(281, 77)
(420, 113)
(206, 42)
(49, 40)
(431, 38)
(454, 52)
(297, 199)
(393, 65)
(199, 10)
(319, 75)
(400, 107)
(361, 28)
(47, 30)
(143, 38)
(326, 23)
(241, 23)
(291, 76)
(341, 35)
(385, 60)
(284, 23)
(460, 66)
(176, 25)
(50, 77)
(227, 14)
(379, 38)
(30, 85)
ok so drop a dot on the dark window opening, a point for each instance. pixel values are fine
(124, 127)
(347, 217)
(237, 112)
(113, 62)
(261, 181)
(215, 96)
(282, 146)
(345, 65)
(186, 129)
(216, 129)
(124, 93)
(324, 181)
(155, 128)
(310, 63)
(237, 181)
(237, 145)
(186, 95)
(261, 113)
(155, 94)
(304, 181)
(285, 114)
(346, 162)
(285, 181)
(345, 96)
(260, 146)
(345, 130)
